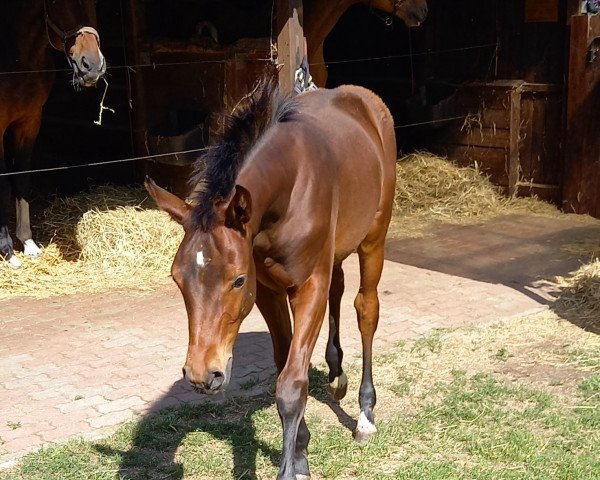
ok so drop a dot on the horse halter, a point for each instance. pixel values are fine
(396, 4)
(65, 35)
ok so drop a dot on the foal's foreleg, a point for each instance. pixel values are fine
(308, 304)
(338, 382)
(371, 255)
(24, 140)
(6, 243)
(274, 308)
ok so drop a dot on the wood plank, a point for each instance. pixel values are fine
(513, 155)
(478, 137)
(291, 44)
(580, 193)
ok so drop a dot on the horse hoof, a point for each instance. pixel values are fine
(337, 389)
(300, 476)
(14, 262)
(364, 429)
(30, 249)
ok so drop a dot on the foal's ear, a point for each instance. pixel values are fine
(239, 209)
(168, 202)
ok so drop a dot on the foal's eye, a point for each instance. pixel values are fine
(239, 281)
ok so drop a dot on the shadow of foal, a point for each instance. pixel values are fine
(157, 436)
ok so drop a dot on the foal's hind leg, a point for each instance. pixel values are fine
(371, 255)
(338, 382)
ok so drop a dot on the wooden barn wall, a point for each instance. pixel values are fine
(529, 51)
(582, 172)
(507, 76)
(193, 77)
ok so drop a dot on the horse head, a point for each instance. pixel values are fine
(214, 269)
(411, 12)
(71, 28)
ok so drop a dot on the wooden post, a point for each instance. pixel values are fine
(291, 44)
(581, 190)
(515, 128)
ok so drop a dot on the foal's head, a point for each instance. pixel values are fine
(214, 270)
(214, 267)
(411, 12)
(71, 27)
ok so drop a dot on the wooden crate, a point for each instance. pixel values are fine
(200, 81)
(512, 130)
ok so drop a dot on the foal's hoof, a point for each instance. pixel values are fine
(300, 476)
(14, 263)
(364, 429)
(30, 249)
(337, 389)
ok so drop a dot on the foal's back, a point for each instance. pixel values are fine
(346, 163)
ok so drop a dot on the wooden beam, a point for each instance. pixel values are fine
(514, 166)
(291, 44)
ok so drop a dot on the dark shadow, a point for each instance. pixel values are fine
(318, 383)
(159, 433)
(523, 252)
(180, 411)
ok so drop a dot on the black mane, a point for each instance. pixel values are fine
(216, 171)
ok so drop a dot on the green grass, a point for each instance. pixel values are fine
(468, 423)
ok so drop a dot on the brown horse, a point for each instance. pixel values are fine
(28, 32)
(320, 16)
(294, 187)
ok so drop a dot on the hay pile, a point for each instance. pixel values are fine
(431, 188)
(579, 300)
(111, 238)
(114, 238)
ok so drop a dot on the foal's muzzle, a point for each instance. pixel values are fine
(212, 382)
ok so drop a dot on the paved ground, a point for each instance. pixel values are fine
(80, 365)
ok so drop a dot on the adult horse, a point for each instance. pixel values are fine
(293, 187)
(320, 16)
(28, 32)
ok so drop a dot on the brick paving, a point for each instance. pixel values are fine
(82, 364)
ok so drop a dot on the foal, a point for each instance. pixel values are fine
(294, 187)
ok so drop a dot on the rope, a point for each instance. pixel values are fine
(199, 62)
(406, 55)
(430, 122)
(97, 164)
(193, 150)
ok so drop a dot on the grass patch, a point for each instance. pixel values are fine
(452, 405)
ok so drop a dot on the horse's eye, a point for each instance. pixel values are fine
(239, 281)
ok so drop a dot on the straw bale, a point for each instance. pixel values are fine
(579, 300)
(108, 238)
(432, 189)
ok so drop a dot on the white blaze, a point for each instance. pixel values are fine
(200, 259)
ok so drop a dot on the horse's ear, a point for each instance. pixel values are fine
(239, 209)
(168, 202)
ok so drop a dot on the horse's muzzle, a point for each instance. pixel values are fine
(86, 73)
(214, 381)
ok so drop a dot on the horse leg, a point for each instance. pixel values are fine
(308, 304)
(274, 309)
(24, 140)
(338, 382)
(6, 243)
(371, 255)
